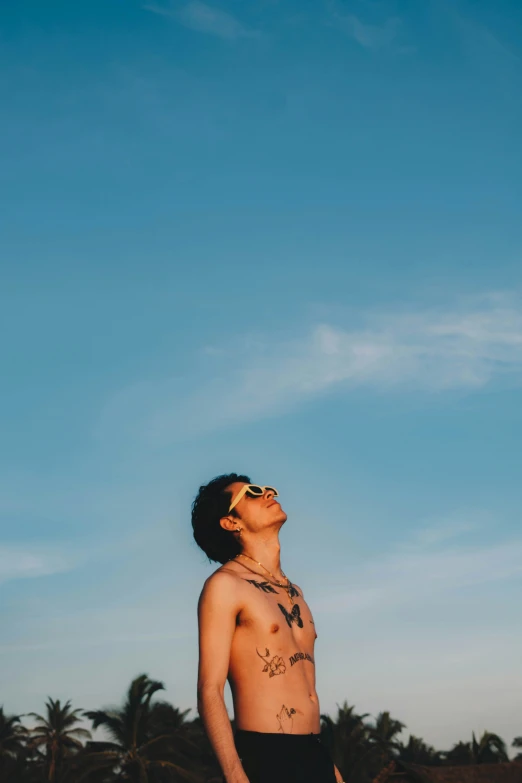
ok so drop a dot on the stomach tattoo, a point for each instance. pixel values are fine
(285, 718)
(274, 666)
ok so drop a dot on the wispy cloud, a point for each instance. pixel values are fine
(19, 562)
(431, 351)
(204, 18)
(480, 41)
(416, 574)
(369, 36)
(453, 526)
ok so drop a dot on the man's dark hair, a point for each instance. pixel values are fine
(210, 505)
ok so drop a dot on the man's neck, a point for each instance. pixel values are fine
(267, 552)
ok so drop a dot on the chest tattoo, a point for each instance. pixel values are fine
(300, 656)
(292, 617)
(264, 586)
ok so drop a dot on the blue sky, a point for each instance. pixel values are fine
(282, 238)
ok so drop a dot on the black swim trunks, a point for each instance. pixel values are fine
(284, 758)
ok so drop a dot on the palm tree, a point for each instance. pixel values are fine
(418, 752)
(12, 736)
(490, 749)
(346, 739)
(517, 743)
(383, 736)
(58, 734)
(459, 754)
(207, 764)
(145, 738)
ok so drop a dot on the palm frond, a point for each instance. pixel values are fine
(111, 721)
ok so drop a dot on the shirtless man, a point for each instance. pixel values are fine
(256, 630)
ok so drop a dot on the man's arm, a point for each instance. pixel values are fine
(338, 776)
(217, 611)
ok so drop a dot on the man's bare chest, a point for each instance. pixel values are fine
(269, 612)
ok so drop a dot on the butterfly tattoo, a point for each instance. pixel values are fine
(292, 617)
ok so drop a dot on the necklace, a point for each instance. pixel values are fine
(288, 587)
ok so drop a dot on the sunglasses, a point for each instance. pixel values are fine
(253, 491)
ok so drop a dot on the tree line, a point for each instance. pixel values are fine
(151, 741)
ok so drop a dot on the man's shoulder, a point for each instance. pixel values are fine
(222, 579)
(299, 589)
(221, 592)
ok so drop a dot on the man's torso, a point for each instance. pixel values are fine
(272, 669)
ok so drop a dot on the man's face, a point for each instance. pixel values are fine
(257, 513)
